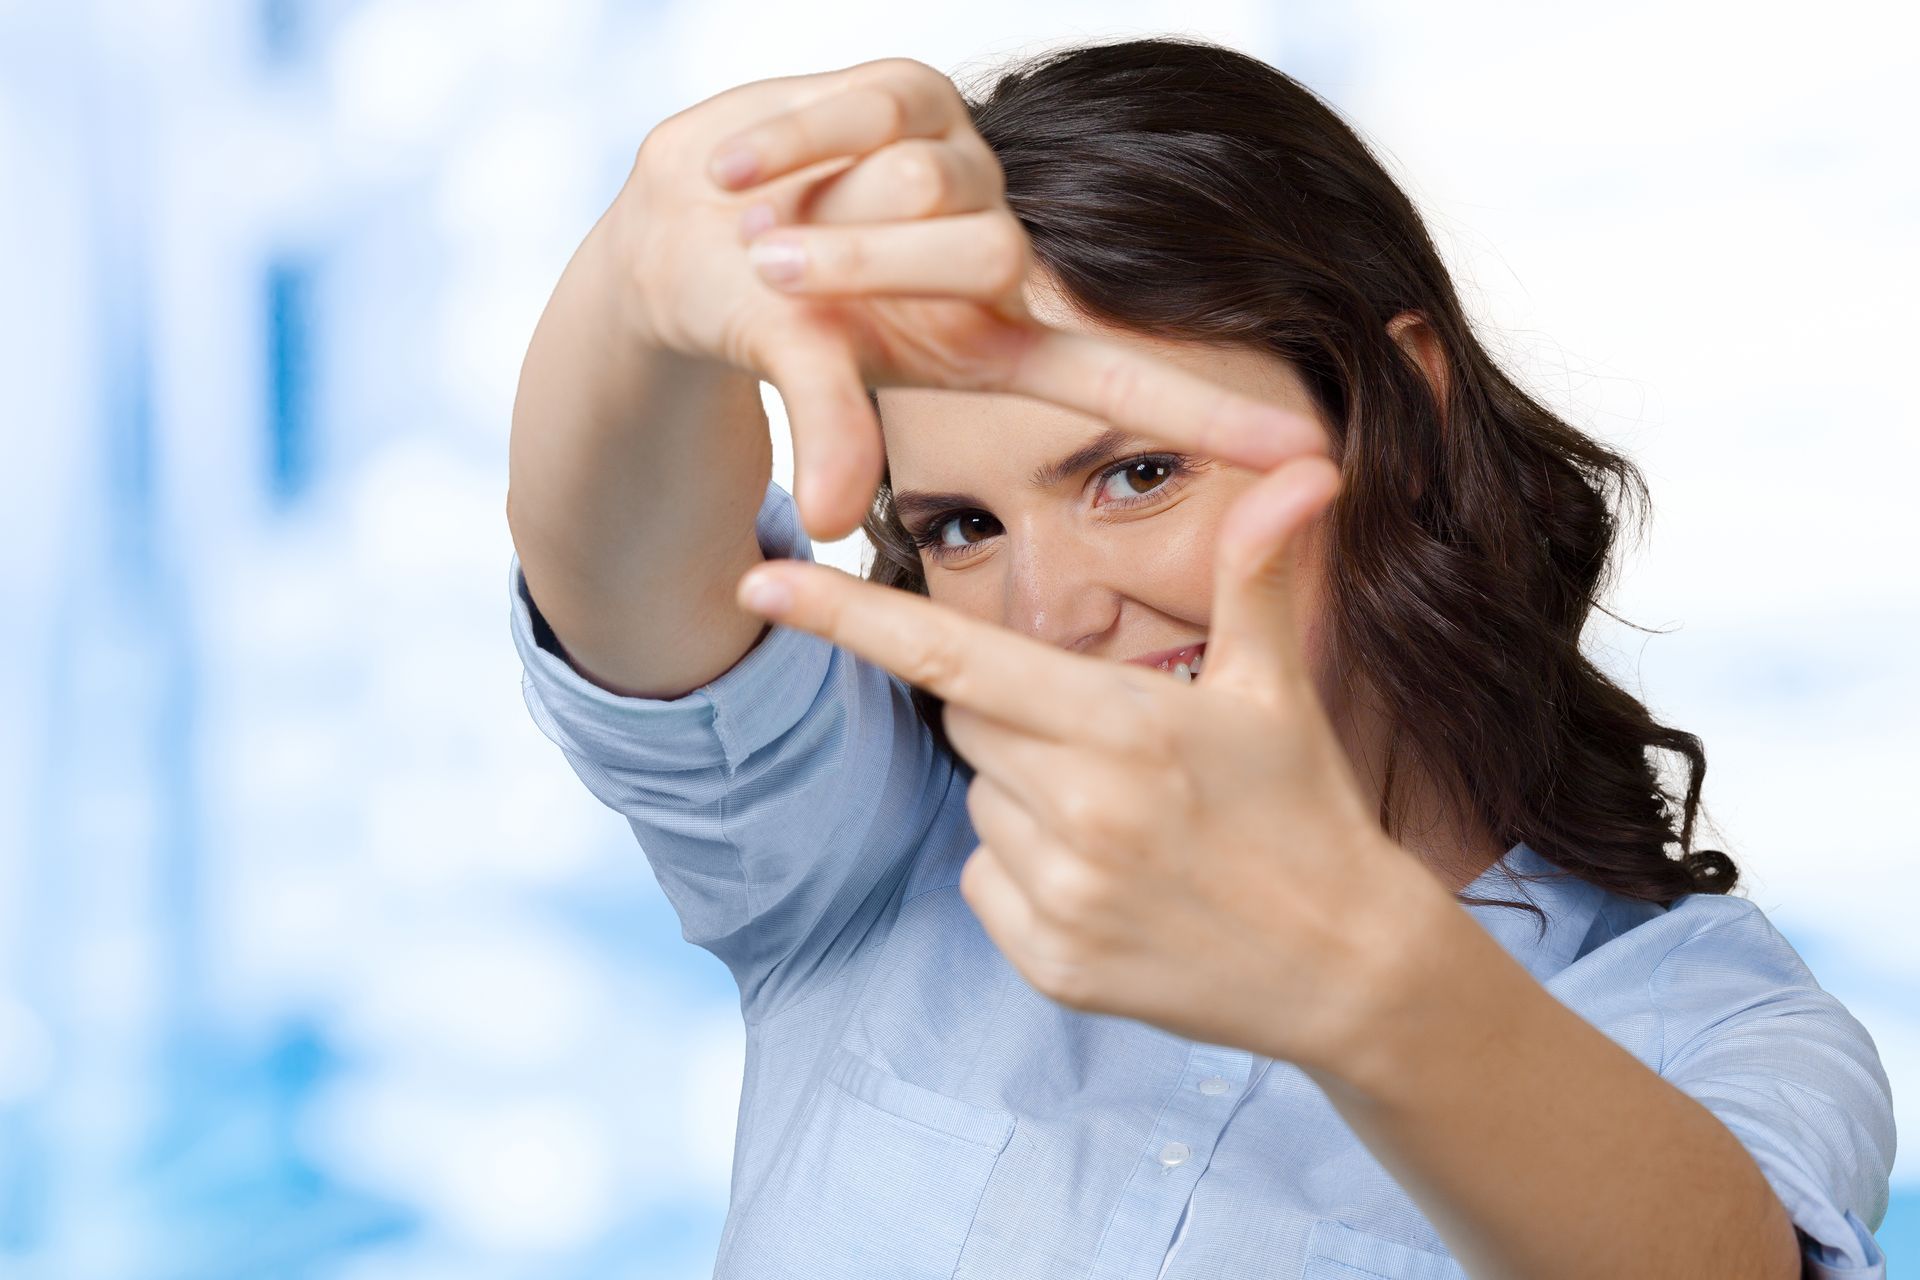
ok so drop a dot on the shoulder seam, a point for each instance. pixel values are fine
(1659, 1010)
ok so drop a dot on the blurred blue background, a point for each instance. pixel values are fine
(315, 958)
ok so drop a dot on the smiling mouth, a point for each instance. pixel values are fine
(1182, 664)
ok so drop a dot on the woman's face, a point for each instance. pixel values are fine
(1110, 556)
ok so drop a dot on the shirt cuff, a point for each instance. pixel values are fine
(1861, 1260)
(720, 723)
(1834, 1241)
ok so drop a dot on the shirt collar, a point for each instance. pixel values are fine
(1569, 903)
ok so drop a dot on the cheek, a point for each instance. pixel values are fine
(1176, 563)
(975, 594)
(1170, 560)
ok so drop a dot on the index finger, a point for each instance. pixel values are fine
(986, 668)
(861, 109)
(1139, 392)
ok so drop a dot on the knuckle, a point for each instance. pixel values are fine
(889, 108)
(788, 136)
(849, 257)
(919, 76)
(669, 130)
(900, 64)
(935, 662)
(834, 256)
(1144, 730)
(1089, 814)
(1116, 387)
(1063, 976)
(663, 147)
(1162, 798)
(1072, 890)
(924, 180)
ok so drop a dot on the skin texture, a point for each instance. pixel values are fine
(1139, 838)
(1113, 571)
(1203, 857)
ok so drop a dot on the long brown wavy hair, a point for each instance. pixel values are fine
(1175, 187)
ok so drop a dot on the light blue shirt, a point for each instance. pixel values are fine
(912, 1108)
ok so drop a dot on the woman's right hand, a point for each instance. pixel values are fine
(915, 270)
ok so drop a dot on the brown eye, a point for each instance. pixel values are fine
(1136, 479)
(1145, 476)
(953, 535)
(971, 527)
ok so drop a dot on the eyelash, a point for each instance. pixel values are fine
(927, 536)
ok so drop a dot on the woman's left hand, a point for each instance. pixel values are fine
(1194, 856)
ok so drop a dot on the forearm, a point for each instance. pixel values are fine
(634, 477)
(1535, 1145)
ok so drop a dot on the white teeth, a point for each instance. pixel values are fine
(1198, 658)
(1183, 673)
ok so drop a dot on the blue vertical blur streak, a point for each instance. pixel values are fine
(127, 690)
(206, 1178)
(142, 601)
(282, 31)
(289, 379)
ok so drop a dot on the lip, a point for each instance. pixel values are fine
(1169, 658)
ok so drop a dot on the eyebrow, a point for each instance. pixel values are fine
(1111, 443)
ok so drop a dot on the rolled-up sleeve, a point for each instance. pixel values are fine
(778, 804)
(1751, 1035)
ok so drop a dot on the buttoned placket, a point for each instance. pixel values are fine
(1173, 1159)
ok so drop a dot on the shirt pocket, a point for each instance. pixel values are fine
(882, 1179)
(1336, 1251)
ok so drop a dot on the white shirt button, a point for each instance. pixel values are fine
(1175, 1153)
(1213, 1085)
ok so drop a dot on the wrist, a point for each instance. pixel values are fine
(612, 260)
(1418, 960)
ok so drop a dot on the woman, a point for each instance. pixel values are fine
(1380, 949)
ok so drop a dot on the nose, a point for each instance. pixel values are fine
(1056, 589)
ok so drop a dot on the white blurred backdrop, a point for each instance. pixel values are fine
(315, 957)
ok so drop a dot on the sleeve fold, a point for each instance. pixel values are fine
(778, 804)
(1750, 1034)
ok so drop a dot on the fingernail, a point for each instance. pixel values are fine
(759, 217)
(778, 261)
(734, 165)
(764, 593)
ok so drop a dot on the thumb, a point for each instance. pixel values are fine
(837, 449)
(1254, 644)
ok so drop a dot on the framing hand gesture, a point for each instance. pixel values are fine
(850, 229)
(1196, 856)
